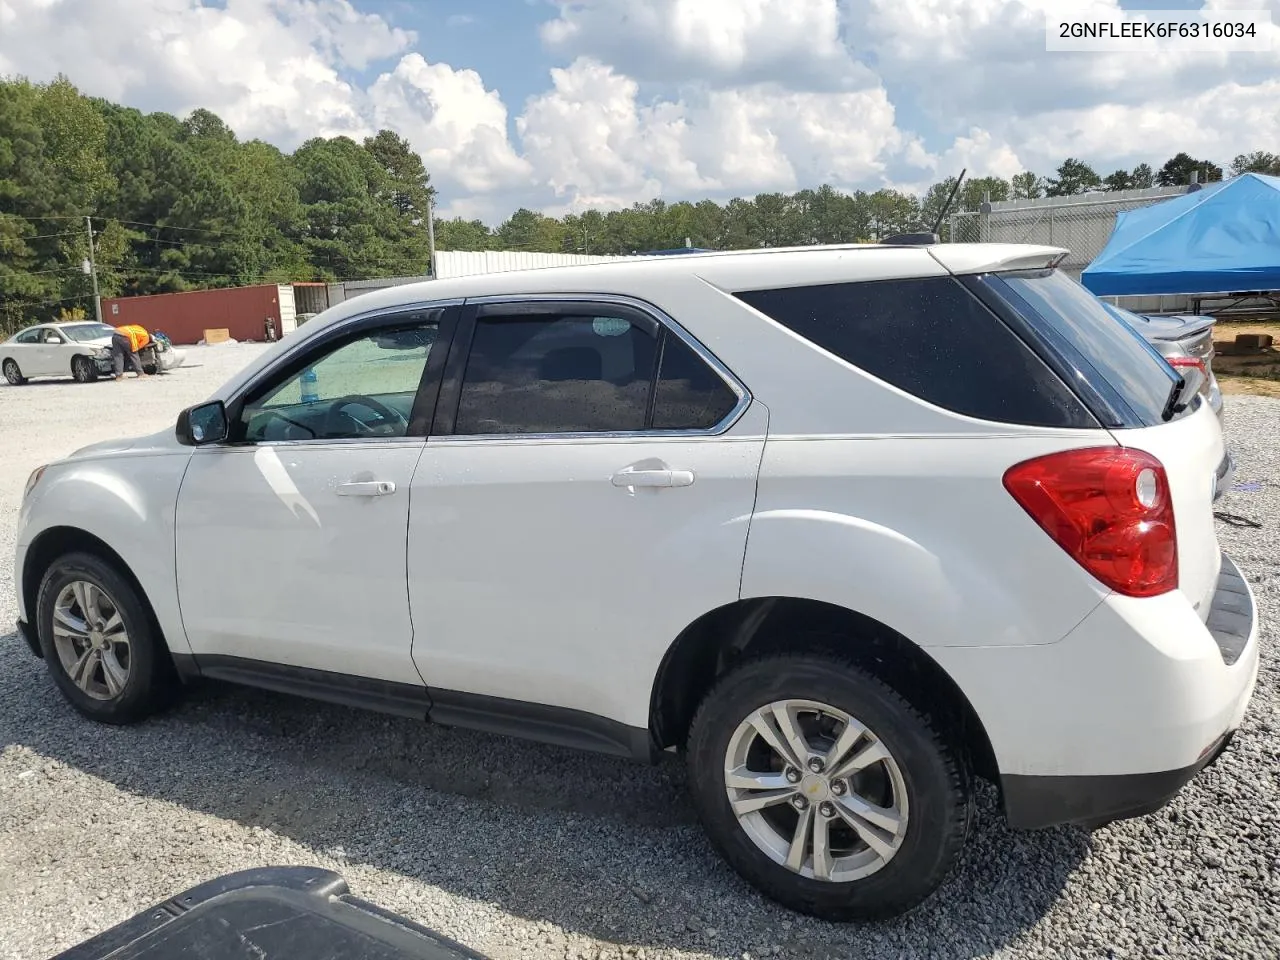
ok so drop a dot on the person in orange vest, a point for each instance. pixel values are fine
(125, 343)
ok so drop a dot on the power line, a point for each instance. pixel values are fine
(43, 236)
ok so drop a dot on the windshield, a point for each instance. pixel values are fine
(82, 332)
(1110, 354)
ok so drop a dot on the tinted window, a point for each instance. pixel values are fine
(28, 336)
(933, 339)
(356, 389)
(1112, 355)
(556, 374)
(690, 395)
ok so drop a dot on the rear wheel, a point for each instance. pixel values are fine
(13, 374)
(83, 369)
(827, 790)
(99, 641)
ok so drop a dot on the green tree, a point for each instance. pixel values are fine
(1177, 171)
(1119, 180)
(892, 212)
(1143, 177)
(1074, 177)
(459, 234)
(1027, 186)
(406, 185)
(1257, 162)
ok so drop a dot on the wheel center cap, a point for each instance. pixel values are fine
(97, 640)
(814, 788)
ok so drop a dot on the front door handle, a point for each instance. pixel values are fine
(652, 478)
(367, 488)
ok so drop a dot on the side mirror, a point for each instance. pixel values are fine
(203, 424)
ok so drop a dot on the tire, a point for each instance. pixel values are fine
(83, 370)
(13, 374)
(148, 682)
(151, 369)
(921, 783)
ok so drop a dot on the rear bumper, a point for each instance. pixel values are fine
(1031, 803)
(1040, 801)
(1112, 720)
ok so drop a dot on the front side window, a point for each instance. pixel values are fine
(603, 372)
(359, 388)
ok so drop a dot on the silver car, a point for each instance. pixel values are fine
(1185, 340)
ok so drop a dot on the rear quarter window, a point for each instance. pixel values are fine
(933, 339)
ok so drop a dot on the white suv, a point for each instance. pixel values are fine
(850, 526)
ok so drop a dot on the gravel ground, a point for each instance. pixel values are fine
(520, 850)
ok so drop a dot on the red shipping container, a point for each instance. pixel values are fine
(184, 317)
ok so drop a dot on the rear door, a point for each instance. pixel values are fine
(1128, 385)
(45, 355)
(584, 496)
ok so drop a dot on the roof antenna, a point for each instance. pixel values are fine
(947, 206)
(925, 239)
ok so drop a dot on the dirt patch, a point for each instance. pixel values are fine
(1249, 386)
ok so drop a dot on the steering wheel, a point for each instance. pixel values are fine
(336, 414)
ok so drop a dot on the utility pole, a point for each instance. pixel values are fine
(93, 272)
(431, 232)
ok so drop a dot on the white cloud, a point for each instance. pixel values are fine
(672, 98)
(791, 43)
(595, 144)
(458, 126)
(270, 68)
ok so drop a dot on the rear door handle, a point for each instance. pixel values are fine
(367, 488)
(652, 478)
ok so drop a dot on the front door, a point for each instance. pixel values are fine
(584, 496)
(291, 537)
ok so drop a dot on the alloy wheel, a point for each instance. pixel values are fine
(91, 639)
(816, 790)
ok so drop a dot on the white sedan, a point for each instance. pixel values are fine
(81, 350)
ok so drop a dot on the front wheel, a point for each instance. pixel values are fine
(827, 790)
(100, 643)
(83, 370)
(13, 374)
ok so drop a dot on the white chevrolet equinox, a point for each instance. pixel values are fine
(849, 526)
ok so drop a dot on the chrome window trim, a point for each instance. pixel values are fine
(726, 375)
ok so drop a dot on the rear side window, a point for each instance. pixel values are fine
(569, 373)
(1111, 356)
(933, 339)
(557, 374)
(689, 395)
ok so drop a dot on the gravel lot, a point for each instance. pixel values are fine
(520, 850)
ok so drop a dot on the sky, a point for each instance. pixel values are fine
(560, 105)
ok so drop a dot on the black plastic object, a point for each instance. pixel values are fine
(291, 913)
(911, 240)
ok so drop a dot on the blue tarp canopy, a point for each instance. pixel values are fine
(1224, 238)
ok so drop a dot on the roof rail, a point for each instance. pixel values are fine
(911, 240)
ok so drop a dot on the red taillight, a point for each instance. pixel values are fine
(1178, 362)
(1110, 509)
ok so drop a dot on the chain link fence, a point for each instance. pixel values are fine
(1081, 225)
